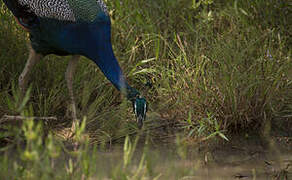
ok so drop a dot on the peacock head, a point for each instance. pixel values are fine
(140, 109)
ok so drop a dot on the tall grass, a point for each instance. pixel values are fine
(212, 67)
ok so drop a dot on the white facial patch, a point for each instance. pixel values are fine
(145, 108)
(135, 106)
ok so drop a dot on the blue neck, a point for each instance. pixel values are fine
(93, 40)
(100, 50)
(106, 61)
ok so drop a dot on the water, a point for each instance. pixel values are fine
(195, 162)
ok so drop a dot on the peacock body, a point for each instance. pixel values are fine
(75, 27)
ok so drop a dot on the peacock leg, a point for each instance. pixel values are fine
(24, 77)
(69, 78)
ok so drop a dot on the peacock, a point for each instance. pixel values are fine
(76, 28)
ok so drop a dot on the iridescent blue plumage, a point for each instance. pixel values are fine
(82, 27)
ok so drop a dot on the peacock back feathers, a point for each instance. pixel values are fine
(66, 10)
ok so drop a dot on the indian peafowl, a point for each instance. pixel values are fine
(73, 27)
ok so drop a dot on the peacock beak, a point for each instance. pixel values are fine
(140, 109)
